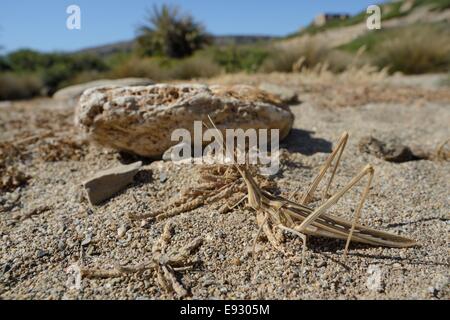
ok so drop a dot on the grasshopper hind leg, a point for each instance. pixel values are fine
(308, 196)
(366, 171)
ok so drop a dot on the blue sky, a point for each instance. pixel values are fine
(41, 24)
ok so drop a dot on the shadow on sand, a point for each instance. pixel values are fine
(302, 142)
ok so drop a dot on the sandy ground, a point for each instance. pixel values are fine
(410, 199)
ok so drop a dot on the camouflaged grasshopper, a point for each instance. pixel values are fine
(302, 220)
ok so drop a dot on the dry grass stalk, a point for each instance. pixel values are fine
(163, 263)
(221, 186)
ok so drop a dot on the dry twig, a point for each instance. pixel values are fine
(164, 263)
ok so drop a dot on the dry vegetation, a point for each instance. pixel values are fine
(16, 86)
(309, 54)
(415, 50)
(43, 140)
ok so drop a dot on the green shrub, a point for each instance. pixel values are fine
(86, 62)
(55, 69)
(55, 76)
(438, 5)
(170, 33)
(14, 86)
(116, 59)
(368, 40)
(26, 61)
(238, 58)
(4, 65)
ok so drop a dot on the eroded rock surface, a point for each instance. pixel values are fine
(75, 91)
(141, 119)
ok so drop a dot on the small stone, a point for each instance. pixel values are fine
(106, 183)
(208, 282)
(321, 264)
(61, 245)
(121, 231)
(146, 223)
(41, 253)
(87, 240)
(236, 261)
(163, 177)
(6, 268)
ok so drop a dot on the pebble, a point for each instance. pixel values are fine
(41, 253)
(61, 245)
(87, 240)
(208, 282)
(145, 223)
(236, 261)
(6, 268)
(163, 177)
(121, 231)
(321, 263)
(223, 290)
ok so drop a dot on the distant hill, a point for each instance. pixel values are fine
(242, 39)
(127, 46)
(352, 31)
(104, 50)
(389, 11)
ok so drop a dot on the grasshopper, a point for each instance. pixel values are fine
(303, 220)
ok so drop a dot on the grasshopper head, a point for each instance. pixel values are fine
(254, 193)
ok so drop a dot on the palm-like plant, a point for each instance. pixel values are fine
(170, 33)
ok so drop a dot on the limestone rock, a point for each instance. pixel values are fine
(104, 184)
(141, 120)
(75, 91)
